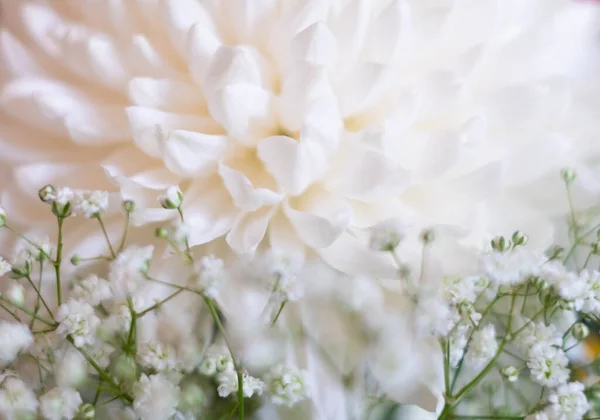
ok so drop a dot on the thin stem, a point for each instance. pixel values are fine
(39, 296)
(125, 232)
(278, 313)
(158, 304)
(58, 260)
(11, 313)
(110, 247)
(240, 395)
(28, 312)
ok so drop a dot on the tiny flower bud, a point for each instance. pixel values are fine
(566, 305)
(519, 238)
(427, 236)
(172, 199)
(580, 331)
(47, 194)
(125, 368)
(510, 373)
(500, 244)
(86, 412)
(539, 283)
(161, 232)
(595, 248)
(16, 294)
(557, 252)
(129, 206)
(2, 217)
(568, 175)
(75, 259)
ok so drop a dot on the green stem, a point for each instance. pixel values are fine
(278, 313)
(125, 232)
(39, 296)
(110, 247)
(58, 261)
(240, 395)
(28, 312)
(158, 304)
(11, 313)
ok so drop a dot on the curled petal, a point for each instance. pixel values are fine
(249, 229)
(244, 195)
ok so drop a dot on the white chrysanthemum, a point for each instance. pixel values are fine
(60, 403)
(156, 398)
(78, 320)
(14, 338)
(17, 400)
(295, 120)
(92, 290)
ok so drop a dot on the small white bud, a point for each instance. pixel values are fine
(519, 238)
(47, 194)
(580, 331)
(16, 294)
(568, 175)
(500, 244)
(510, 373)
(129, 206)
(172, 199)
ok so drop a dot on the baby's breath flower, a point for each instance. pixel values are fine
(568, 402)
(60, 403)
(17, 400)
(172, 198)
(156, 356)
(511, 373)
(483, 346)
(387, 235)
(92, 290)
(126, 272)
(5, 267)
(91, 203)
(156, 397)
(210, 275)
(548, 366)
(14, 338)
(228, 384)
(286, 385)
(77, 319)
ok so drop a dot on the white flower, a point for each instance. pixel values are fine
(92, 290)
(156, 397)
(36, 247)
(5, 267)
(77, 319)
(434, 316)
(210, 275)
(71, 369)
(302, 118)
(511, 373)
(157, 356)
(284, 267)
(512, 266)
(15, 293)
(208, 367)
(483, 346)
(568, 402)
(591, 303)
(386, 236)
(538, 335)
(14, 338)
(64, 196)
(17, 400)
(91, 203)
(126, 272)
(539, 415)
(575, 290)
(60, 404)
(172, 199)
(228, 384)
(286, 385)
(548, 366)
(457, 341)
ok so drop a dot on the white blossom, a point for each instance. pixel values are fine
(64, 196)
(172, 198)
(457, 340)
(513, 266)
(156, 397)
(157, 356)
(17, 400)
(548, 366)
(91, 203)
(15, 293)
(228, 384)
(210, 275)
(77, 319)
(14, 338)
(568, 402)
(536, 335)
(284, 267)
(60, 404)
(92, 290)
(286, 385)
(71, 369)
(483, 346)
(387, 235)
(5, 267)
(126, 272)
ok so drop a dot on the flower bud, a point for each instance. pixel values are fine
(47, 194)
(510, 373)
(595, 248)
(568, 175)
(2, 217)
(75, 259)
(172, 199)
(500, 244)
(557, 252)
(125, 368)
(161, 232)
(86, 412)
(566, 305)
(129, 206)
(427, 236)
(519, 238)
(539, 283)
(16, 294)
(580, 331)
